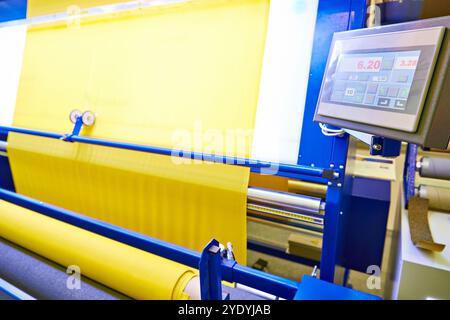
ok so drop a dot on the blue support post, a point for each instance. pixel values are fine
(409, 173)
(334, 210)
(210, 272)
(347, 15)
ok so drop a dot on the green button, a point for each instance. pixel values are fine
(402, 78)
(383, 91)
(403, 93)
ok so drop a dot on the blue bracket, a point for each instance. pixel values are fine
(76, 130)
(210, 272)
(385, 147)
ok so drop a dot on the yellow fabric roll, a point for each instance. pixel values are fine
(184, 76)
(134, 272)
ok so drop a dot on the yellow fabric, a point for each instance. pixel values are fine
(136, 273)
(177, 76)
(150, 76)
(183, 204)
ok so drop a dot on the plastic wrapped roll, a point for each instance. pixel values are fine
(435, 167)
(133, 272)
(439, 198)
(45, 280)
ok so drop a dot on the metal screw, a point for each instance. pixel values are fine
(377, 147)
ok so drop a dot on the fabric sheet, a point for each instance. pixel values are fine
(184, 76)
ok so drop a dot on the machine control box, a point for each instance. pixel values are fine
(388, 81)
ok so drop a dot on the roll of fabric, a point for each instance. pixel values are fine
(46, 280)
(133, 272)
(438, 197)
(435, 167)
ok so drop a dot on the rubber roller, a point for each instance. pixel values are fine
(434, 167)
(44, 279)
(439, 198)
(133, 272)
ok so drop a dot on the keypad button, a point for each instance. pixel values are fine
(384, 102)
(400, 103)
(358, 98)
(403, 78)
(370, 99)
(372, 88)
(350, 92)
(383, 91)
(403, 93)
(392, 92)
(379, 78)
(387, 64)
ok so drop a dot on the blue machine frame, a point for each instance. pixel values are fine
(326, 167)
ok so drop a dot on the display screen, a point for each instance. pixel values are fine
(376, 79)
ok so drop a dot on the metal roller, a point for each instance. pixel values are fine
(434, 167)
(438, 197)
(283, 199)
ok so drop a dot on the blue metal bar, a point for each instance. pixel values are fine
(265, 282)
(13, 291)
(337, 205)
(231, 272)
(250, 163)
(210, 272)
(409, 172)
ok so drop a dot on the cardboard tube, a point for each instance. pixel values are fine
(135, 273)
(438, 197)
